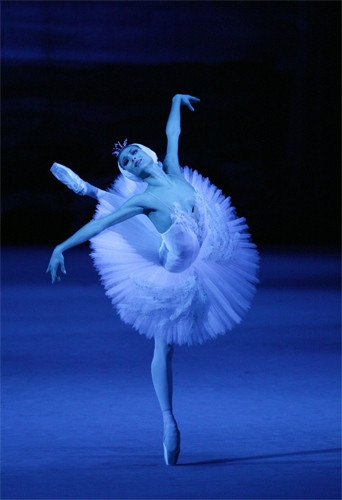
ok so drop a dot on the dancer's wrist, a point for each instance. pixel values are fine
(176, 98)
(59, 248)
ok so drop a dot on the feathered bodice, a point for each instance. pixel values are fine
(182, 242)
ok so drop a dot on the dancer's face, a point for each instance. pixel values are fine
(134, 160)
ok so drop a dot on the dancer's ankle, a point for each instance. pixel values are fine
(168, 417)
(91, 190)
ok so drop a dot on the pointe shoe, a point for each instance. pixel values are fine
(171, 456)
(69, 178)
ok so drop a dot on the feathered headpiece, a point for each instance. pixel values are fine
(118, 147)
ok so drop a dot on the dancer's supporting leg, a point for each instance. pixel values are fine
(161, 369)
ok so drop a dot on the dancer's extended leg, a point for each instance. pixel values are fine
(76, 184)
(161, 369)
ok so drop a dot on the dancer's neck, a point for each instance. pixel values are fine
(156, 177)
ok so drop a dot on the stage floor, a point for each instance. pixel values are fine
(258, 409)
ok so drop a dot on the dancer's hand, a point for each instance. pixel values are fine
(173, 130)
(187, 99)
(57, 259)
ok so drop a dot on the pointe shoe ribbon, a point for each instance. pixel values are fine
(69, 178)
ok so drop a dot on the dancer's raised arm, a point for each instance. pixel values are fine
(173, 130)
(134, 206)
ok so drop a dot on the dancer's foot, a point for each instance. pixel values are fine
(171, 440)
(69, 178)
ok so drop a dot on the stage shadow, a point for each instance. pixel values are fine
(261, 457)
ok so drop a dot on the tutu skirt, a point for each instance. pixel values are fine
(204, 301)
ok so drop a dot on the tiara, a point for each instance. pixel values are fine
(118, 147)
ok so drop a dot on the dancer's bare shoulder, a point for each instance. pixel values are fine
(171, 165)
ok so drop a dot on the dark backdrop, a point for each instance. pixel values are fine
(79, 76)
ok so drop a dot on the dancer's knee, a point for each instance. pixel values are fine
(161, 347)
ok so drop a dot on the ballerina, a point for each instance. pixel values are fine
(176, 261)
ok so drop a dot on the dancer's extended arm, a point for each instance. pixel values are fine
(173, 130)
(132, 207)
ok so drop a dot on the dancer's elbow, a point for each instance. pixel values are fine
(173, 131)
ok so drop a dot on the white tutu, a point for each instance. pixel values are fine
(188, 307)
